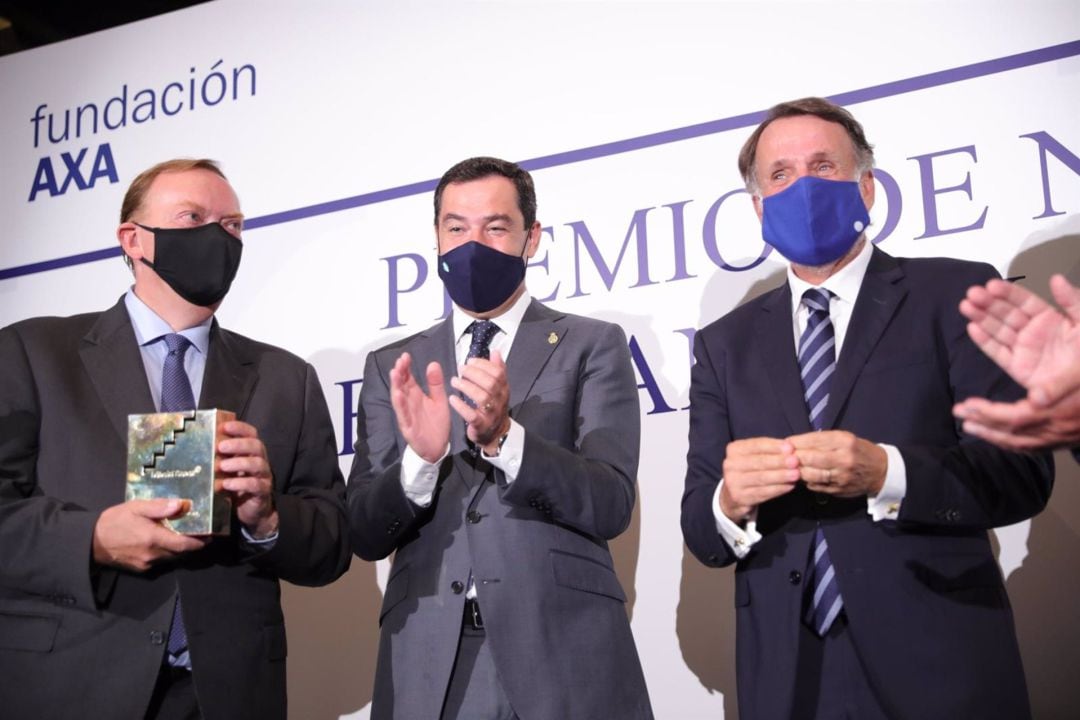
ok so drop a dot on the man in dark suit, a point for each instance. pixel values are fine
(104, 611)
(825, 462)
(502, 600)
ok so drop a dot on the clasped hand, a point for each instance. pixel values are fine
(834, 462)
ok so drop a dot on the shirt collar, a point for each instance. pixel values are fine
(149, 327)
(508, 322)
(844, 284)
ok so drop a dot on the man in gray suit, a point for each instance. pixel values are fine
(502, 601)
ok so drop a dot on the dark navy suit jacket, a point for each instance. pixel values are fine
(926, 605)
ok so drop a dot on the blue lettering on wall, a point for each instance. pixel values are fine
(930, 191)
(1048, 144)
(648, 380)
(582, 237)
(348, 414)
(206, 89)
(103, 167)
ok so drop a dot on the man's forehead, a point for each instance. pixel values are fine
(492, 188)
(195, 187)
(804, 136)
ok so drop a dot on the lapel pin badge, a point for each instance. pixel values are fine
(552, 339)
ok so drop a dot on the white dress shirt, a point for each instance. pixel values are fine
(844, 286)
(418, 478)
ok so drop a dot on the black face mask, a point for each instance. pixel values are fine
(199, 263)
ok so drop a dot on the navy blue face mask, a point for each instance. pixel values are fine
(814, 221)
(479, 278)
(198, 263)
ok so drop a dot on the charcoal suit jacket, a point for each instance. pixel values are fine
(81, 641)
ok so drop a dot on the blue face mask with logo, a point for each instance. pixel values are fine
(814, 221)
(479, 278)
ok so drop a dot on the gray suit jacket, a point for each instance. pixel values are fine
(553, 607)
(82, 643)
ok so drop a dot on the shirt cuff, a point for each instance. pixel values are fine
(739, 539)
(263, 543)
(886, 504)
(419, 477)
(509, 458)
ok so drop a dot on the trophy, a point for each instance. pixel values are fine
(174, 455)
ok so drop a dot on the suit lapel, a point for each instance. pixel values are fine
(537, 337)
(110, 354)
(879, 298)
(776, 339)
(230, 375)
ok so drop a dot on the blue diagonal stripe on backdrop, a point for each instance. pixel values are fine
(666, 137)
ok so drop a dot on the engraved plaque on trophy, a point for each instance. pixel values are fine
(174, 455)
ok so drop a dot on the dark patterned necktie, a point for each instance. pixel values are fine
(176, 396)
(482, 332)
(817, 360)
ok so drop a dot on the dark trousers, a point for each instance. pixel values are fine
(174, 696)
(830, 681)
(475, 692)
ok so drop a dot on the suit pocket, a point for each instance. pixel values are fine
(397, 588)
(274, 642)
(581, 573)
(36, 633)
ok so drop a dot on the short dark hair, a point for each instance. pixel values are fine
(477, 168)
(818, 107)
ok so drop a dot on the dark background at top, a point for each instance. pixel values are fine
(31, 23)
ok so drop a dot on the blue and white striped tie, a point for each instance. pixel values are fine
(817, 360)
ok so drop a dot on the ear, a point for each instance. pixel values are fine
(533, 241)
(758, 207)
(130, 242)
(867, 186)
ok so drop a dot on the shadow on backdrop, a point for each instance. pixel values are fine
(1045, 590)
(333, 636)
(333, 631)
(705, 617)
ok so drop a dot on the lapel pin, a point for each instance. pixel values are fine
(552, 339)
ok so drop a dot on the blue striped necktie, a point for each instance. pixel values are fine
(817, 360)
(176, 396)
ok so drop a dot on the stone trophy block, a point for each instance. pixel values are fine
(174, 455)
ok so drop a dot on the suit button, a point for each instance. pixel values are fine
(952, 515)
(713, 559)
(794, 577)
(457, 587)
(822, 499)
(473, 517)
(157, 637)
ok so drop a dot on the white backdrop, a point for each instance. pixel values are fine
(333, 119)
